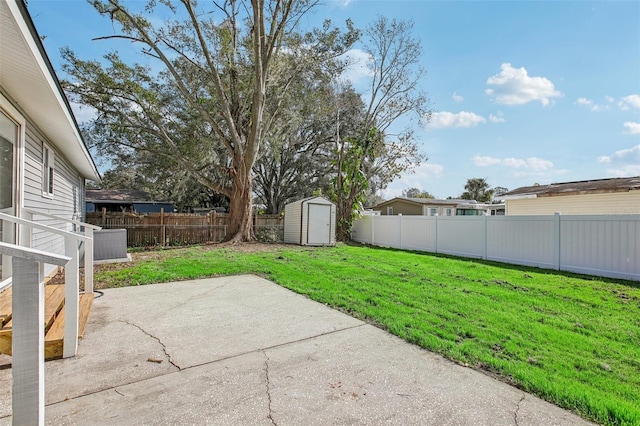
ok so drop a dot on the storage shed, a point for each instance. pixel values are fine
(310, 222)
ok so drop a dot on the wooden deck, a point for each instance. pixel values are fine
(53, 319)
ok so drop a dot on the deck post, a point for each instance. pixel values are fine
(28, 342)
(71, 298)
(88, 260)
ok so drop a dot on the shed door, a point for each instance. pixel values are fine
(319, 225)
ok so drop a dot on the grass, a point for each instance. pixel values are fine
(570, 339)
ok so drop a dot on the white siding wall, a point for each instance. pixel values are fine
(292, 218)
(603, 245)
(68, 193)
(304, 222)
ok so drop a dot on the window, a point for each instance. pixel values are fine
(432, 211)
(8, 139)
(390, 210)
(48, 162)
(449, 212)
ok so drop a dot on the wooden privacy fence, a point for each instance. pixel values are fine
(607, 246)
(181, 229)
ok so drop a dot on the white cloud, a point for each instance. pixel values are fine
(432, 170)
(625, 162)
(609, 99)
(457, 97)
(591, 105)
(625, 171)
(532, 164)
(632, 127)
(444, 119)
(498, 118)
(629, 102)
(484, 161)
(357, 68)
(624, 155)
(513, 86)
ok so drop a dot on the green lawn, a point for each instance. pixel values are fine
(569, 339)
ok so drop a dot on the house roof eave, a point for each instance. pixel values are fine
(30, 81)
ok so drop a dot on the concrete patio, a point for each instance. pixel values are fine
(245, 351)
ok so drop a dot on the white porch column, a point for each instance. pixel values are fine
(71, 298)
(88, 260)
(28, 343)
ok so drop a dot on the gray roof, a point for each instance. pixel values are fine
(119, 196)
(429, 201)
(579, 187)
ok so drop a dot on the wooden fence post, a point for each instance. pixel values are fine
(163, 234)
(104, 216)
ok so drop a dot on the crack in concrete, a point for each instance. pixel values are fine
(266, 373)
(118, 392)
(206, 292)
(164, 347)
(515, 413)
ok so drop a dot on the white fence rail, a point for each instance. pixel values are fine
(607, 246)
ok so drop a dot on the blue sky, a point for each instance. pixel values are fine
(521, 92)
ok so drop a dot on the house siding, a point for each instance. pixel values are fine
(67, 200)
(402, 207)
(292, 223)
(614, 203)
(441, 210)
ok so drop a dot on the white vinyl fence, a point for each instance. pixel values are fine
(607, 246)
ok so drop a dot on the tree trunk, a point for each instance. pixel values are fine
(240, 219)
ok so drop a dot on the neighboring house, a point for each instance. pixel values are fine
(43, 160)
(613, 196)
(119, 200)
(425, 206)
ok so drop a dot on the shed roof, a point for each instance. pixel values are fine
(596, 186)
(304, 200)
(29, 79)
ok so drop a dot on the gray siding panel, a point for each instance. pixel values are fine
(68, 192)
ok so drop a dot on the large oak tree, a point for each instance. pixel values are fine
(206, 109)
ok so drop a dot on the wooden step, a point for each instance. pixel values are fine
(5, 306)
(54, 339)
(53, 302)
(54, 319)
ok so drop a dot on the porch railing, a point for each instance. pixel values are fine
(72, 274)
(28, 395)
(87, 246)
